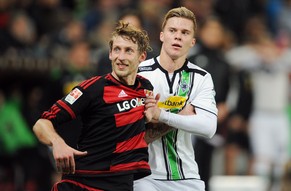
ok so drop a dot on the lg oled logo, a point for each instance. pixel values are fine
(129, 104)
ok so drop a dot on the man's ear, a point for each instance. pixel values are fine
(193, 42)
(110, 55)
(161, 36)
(143, 56)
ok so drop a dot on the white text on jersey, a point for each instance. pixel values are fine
(129, 104)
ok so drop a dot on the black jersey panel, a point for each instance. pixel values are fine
(140, 154)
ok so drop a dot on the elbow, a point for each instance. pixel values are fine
(37, 127)
(211, 129)
(37, 130)
(207, 131)
(40, 129)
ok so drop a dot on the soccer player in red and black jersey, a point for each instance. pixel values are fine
(111, 150)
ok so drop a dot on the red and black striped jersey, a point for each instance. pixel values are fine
(113, 128)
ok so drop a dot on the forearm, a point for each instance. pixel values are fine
(45, 132)
(202, 123)
(156, 130)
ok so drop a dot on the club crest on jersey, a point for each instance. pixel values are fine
(184, 86)
(129, 104)
(73, 96)
(148, 92)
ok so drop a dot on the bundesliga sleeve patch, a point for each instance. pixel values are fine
(73, 96)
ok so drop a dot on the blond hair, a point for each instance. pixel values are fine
(137, 36)
(181, 12)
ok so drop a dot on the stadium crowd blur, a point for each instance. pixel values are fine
(48, 46)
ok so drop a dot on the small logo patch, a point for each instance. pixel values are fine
(122, 94)
(148, 92)
(73, 96)
(145, 68)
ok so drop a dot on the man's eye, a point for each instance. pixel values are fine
(116, 49)
(129, 51)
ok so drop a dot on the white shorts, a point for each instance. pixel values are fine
(269, 134)
(150, 184)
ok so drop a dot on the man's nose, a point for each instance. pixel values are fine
(121, 55)
(178, 35)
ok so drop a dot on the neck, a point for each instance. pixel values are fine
(127, 80)
(171, 64)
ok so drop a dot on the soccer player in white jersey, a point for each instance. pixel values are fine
(185, 107)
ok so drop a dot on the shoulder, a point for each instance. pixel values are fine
(191, 67)
(145, 82)
(148, 65)
(86, 90)
(91, 82)
(148, 62)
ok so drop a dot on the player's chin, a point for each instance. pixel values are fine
(122, 74)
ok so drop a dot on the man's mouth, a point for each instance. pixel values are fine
(176, 45)
(121, 65)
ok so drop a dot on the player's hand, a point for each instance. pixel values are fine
(152, 112)
(64, 157)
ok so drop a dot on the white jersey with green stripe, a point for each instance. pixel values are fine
(171, 157)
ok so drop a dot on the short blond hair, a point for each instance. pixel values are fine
(137, 36)
(182, 12)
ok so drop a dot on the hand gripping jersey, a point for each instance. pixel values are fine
(113, 125)
(172, 157)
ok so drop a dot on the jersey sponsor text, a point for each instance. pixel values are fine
(129, 104)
